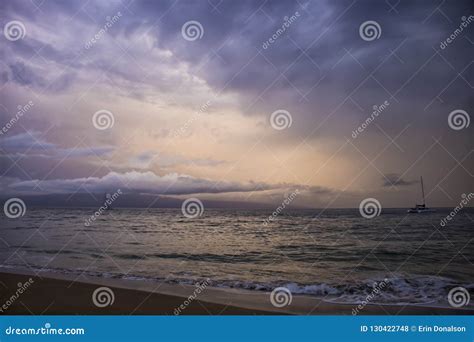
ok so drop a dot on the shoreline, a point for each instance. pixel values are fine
(64, 296)
(57, 294)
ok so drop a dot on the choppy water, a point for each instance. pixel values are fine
(337, 255)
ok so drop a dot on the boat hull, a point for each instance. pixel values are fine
(421, 211)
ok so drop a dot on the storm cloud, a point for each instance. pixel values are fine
(193, 114)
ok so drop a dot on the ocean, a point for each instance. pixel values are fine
(335, 254)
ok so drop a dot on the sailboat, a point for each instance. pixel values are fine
(421, 208)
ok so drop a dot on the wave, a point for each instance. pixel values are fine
(254, 257)
(394, 290)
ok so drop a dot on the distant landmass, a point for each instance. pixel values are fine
(82, 200)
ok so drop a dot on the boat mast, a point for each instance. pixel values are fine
(422, 190)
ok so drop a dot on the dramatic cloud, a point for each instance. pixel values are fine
(31, 144)
(141, 182)
(146, 160)
(203, 107)
(394, 179)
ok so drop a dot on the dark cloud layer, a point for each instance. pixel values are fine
(319, 69)
(141, 182)
(310, 69)
(394, 179)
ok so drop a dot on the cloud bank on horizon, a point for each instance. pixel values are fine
(239, 100)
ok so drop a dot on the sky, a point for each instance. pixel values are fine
(238, 101)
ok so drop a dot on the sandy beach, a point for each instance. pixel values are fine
(54, 294)
(48, 296)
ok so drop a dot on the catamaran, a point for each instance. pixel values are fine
(421, 208)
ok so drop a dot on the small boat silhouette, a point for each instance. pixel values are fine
(421, 208)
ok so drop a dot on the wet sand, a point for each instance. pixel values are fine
(59, 294)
